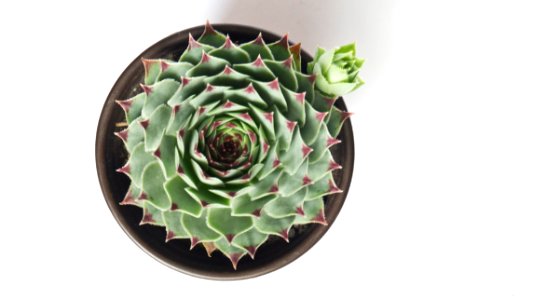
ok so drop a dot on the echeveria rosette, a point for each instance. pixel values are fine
(336, 70)
(229, 145)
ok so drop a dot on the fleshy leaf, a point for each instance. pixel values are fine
(181, 200)
(221, 220)
(153, 179)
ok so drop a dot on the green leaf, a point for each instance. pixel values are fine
(222, 221)
(153, 179)
(208, 66)
(290, 184)
(197, 228)
(175, 187)
(285, 206)
(323, 142)
(271, 93)
(276, 226)
(244, 205)
(229, 52)
(322, 187)
(257, 48)
(174, 70)
(284, 72)
(151, 215)
(175, 229)
(296, 154)
(157, 123)
(313, 121)
(138, 160)
(203, 195)
(159, 93)
(295, 103)
(250, 240)
(313, 212)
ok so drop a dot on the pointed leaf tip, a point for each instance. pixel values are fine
(147, 219)
(230, 237)
(249, 89)
(306, 150)
(258, 62)
(227, 70)
(288, 62)
(300, 97)
(235, 257)
(291, 125)
(274, 84)
(300, 211)
(333, 187)
(228, 43)
(125, 169)
(284, 41)
(321, 218)
(157, 153)
(164, 66)
(307, 180)
(128, 199)
(170, 235)
(208, 29)
(147, 89)
(345, 115)
(185, 80)
(285, 234)
(194, 242)
(334, 166)
(320, 116)
(123, 135)
(125, 104)
(205, 58)
(145, 123)
(251, 251)
(193, 43)
(259, 40)
(332, 141)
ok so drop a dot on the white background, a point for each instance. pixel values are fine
(441, 205)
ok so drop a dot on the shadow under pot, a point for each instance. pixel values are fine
(176, 253)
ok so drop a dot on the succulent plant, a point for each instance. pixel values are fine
(230, 145)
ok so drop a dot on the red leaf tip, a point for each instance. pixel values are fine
(333, 187)
(334, 166)
(258, 62)
(300, 97)
(320, 218)
(259, 40)
(306, 150)
(285, 234)
(125, 104)
(125, 169)
(194, 242)
(123, 135)
(274, 84)
(205, 58)
(145, 123)
(147, 89)
(193, 43)
(300, 211)
(170, 235)
(208, 29)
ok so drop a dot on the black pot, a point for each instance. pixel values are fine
(110, 155)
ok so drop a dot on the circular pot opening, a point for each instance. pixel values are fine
(111, 155)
